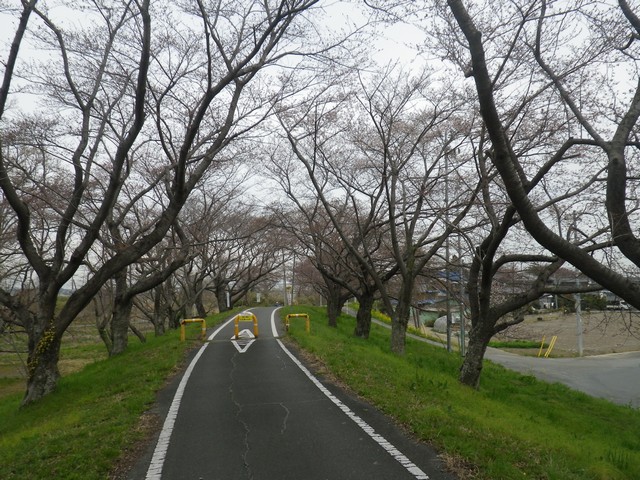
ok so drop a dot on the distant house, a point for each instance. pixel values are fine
(547, 301)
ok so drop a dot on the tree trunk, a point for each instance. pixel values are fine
(198, 302)
(176, 316)
(105, 336)
(472, 365)
(335, 302)
(102, 321)
(157, 317)
(398, 334)
(221, 297)
(120, 324)
(400, 319)
(159, 327)
(120, 313)
(334, 307)
(363, 317)
(137, 333)
(42, 366)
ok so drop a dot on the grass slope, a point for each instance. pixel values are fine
(84, 428)
(514, 427)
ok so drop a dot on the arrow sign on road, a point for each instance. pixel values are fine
(244, 340)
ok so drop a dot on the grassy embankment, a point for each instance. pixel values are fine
(85, 427)
(509, 344)
(513, 427)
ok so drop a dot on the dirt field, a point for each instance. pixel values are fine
(603, 332)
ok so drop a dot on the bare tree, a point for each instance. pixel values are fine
(194, 72)
(115, 301)
(341, 274)
(543, 73)
(505, 249)
(566, 53)
(211, 202)
(391, 161)
(242, 251)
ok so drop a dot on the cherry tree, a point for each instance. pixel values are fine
(569, 55)
(170, 85)
(386, 151)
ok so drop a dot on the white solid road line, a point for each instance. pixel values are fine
(159, 454)
(157, 461)
(412, 468)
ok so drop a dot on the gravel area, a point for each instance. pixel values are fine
(602, 332)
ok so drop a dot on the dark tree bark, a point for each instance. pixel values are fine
(120, 324)
(336, 299)
(400, 320)
(198, 301)
(157, 317)
(479, 338)
(42, 365)
(363, 317)
(45, 340)
(120, 315)
(507, 160)
(221, 297)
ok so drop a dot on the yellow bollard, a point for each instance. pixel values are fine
(287, 321)
(245, 317)
(551, 345)
(541, 346)
(203, 329)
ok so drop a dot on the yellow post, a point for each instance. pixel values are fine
(203, 329)
(245, 317)
(541, 346)
(551, 345)
(287, 321)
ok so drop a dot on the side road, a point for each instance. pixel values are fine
(613, 377)
(250, 409)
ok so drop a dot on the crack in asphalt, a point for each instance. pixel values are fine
(286, 417)
(244, 424)
(283, 361)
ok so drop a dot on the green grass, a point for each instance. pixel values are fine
(514, 427)
(517, 344)
(81, 430)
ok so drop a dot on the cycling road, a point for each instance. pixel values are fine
(250, 409)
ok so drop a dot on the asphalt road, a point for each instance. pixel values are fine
(615, 377)
(251, 410)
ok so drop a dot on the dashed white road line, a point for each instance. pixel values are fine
(412, 468)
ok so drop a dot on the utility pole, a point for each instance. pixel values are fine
(284, 279)
(463, 348)
(579, 319)
(446, 246)
(577, 296)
